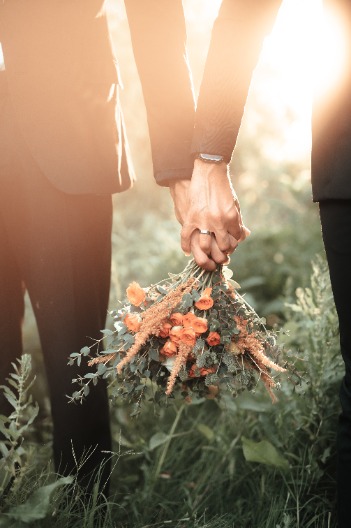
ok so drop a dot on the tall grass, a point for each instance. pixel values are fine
(242, 463)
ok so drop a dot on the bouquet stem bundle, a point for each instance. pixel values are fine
(191, 334)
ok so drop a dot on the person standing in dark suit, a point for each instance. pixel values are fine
(63, 153)
(236, 41)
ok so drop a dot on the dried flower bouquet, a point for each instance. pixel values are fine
(191, 334)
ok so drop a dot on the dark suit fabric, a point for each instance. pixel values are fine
(331, 122)
(63, 152)
(336, 227)
(59, 165)
(60, 71)
(58, 246)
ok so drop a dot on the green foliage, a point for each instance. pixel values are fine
(234, 463)
(226, 342)
(37, 506)
(244, 461)
(14, 427)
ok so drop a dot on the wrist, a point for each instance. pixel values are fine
(203, 169)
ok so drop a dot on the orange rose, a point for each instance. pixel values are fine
(196, 372)
(213, 339)
(205, 302)
(175, 333)
(164, 330)
(169, 349)
(176, 319)
(213, 391)
(132, 322)
(188, 319)
(188, 336)
(200, 325)
(205, 371)
(135, 293)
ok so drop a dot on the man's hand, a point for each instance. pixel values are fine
(208, 202)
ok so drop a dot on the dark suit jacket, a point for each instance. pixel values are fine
(62, 81)
(331, 123)
(236, 42)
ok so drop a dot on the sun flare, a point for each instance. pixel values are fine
(309, 40)
(303, 57)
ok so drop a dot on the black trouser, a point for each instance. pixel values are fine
(336, 226)
(58, 247)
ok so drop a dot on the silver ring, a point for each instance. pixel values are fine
(205, 232)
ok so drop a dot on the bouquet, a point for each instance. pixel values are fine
(191, 335)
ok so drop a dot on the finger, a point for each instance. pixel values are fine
(233, 243)
(223, 240)
(236, 225)
(203, 259)
(244, 233)
(205, 240)
(185, 237)
(218, 256)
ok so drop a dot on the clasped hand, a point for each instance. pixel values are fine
(208, 202)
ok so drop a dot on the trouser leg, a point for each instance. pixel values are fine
(67, 274)
(60, 245)
(336, 226)
(11, 313)
(11, 281)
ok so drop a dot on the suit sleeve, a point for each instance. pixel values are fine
(236, 41)
(159, 36)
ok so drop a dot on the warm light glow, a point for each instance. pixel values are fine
(329, 52)
(2, 65)
(309, 40)
(304, 54)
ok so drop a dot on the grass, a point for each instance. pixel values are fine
(186, 466)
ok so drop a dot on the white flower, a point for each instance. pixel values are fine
(169, 363)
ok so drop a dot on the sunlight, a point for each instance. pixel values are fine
(329, 51)
(2, 64)
(310, 41)
(303, 55)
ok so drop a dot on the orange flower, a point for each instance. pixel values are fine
(176, 319)
(132, 322)
(188, 319)
(200, 325)
(188, 336)
(213, 339)
(164, 330)
(135, 293)
(196, 372)
(205, 302)
(169, 349)
(175, 333)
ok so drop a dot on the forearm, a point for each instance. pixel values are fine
(236, 42)
(159, 36)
